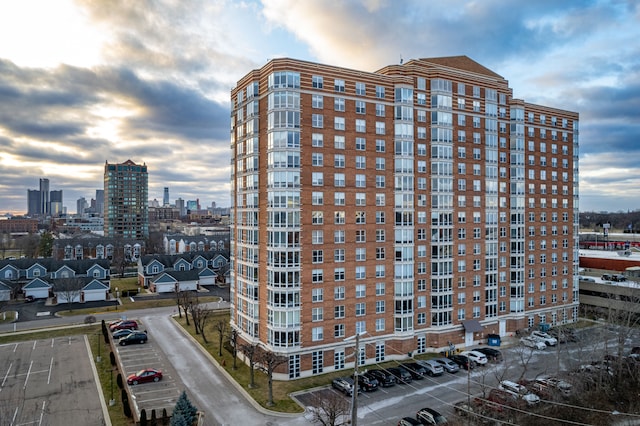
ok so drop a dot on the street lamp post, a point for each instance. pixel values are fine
(354, 393)
(354, 402)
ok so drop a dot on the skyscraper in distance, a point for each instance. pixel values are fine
(419, 206)
(126, 210)
(165, 198)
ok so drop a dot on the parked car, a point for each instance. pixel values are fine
(416, 370)
(118, 334)
(448, 365)
(432, 367)
(401, 374)
(493, 355)
(478, 357)
(564, 334)
(544, 337)
(409, 421)
(367, 383)
(385, 379)
(135, 337)
(499, 398)
(462, 361)
(144, 376)
(531, 343)
(564, 388)
(429, 416)
(131, 324)
(343, 384)
(29, 299)
(518, 391)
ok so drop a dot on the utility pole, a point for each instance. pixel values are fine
(354, 395)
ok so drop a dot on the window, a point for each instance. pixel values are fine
(317, 295)
(380, 110)
(380, 253)
(380, 145)
(317, 121)
(338, 179)
(317, 198)
(338, 237)
(338, 123)
(338, 312)
(360, 290)
(317, 276)
(338, 104)
(361, 126)
(361, 107)
(360, 272)
(361, 89)
(360, 181)
(380, 128)
(338, 142)
(380, 163)
(380, 92)
(380, 306)
(380, 235)
(338, 255)
(338, 85)
(317, 334)
(361, 236)
(339, 217)
(361, 309)
(317, 101)
(317, 179)
(317, 159)
(316, 82)
(317, 314)
(338, 293)
(317, 237)
(317, 256)
(339, 199)
(380, 181)
(361, 144)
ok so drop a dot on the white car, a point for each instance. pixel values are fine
(547, 339)
(531, 343)
(475, 356)
(519, 392)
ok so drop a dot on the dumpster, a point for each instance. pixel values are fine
(493, 340)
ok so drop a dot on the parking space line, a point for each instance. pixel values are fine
(15, 414)
(34, 345)
(50, 369)
(5, 376)
(26, 379)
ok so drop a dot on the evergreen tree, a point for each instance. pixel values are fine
(183, 411)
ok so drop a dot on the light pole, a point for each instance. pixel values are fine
(354, 391)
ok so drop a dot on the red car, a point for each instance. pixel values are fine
(144, 376)
(126, 324)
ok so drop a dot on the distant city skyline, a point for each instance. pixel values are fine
(83, 82)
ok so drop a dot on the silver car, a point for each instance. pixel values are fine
(433, 368)
(448, 365)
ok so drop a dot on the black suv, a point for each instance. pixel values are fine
(385, 379)
(401, 374)
(367, 382)
(416, 370)
(491, 354)
(135, 337)
(463, 361)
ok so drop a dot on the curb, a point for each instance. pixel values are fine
(235, 384)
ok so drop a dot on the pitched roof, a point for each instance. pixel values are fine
(463, 63)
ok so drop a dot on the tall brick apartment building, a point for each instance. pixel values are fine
(417, 206)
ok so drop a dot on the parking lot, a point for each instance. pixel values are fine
(148, 396)
(48, 382)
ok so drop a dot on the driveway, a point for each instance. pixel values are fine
(212, 392)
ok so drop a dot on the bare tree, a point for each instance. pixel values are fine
(269, 362)
(5, 244)
(221, 327)
(329, 408)
(184, 302)
(250, 350)
(201, 316)
(69, 288)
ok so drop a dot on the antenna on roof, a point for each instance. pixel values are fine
(401, 60)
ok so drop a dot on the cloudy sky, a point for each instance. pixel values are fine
(88, 81)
